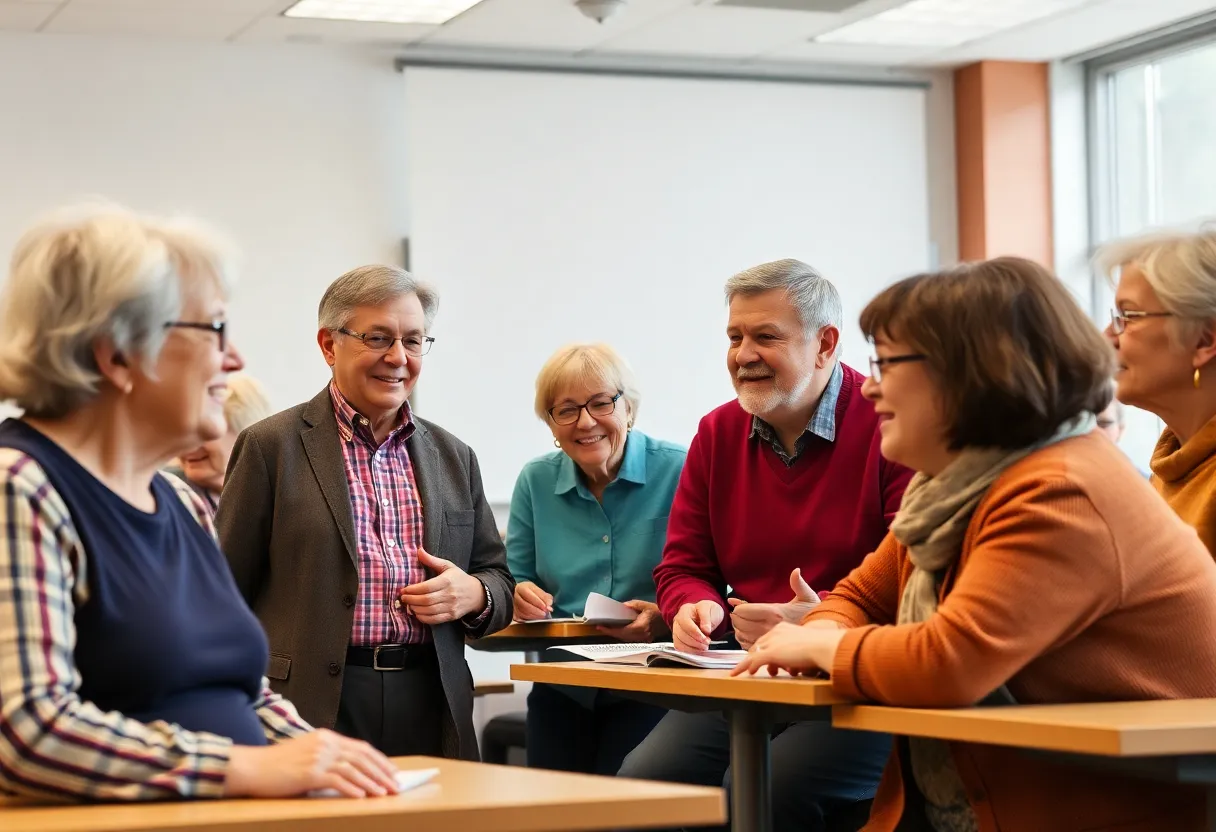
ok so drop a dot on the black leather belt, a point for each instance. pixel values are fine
(391, 656)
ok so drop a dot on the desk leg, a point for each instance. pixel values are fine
(751, 777)
(1211, 827)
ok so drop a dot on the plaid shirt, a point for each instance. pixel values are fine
(53, 743)
(387, 510)
(822, 424)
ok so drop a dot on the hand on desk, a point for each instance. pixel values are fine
(797, 649)
(531, 602)
(319, 760)
(693, 625)
(750, 621)
(449, 596)
(648, 627)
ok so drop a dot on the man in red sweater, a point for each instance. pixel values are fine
(783, 489)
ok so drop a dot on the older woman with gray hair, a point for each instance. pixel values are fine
(590, 517)
(361, 536)
(203, 468)
(1163, 328)
(114, 343)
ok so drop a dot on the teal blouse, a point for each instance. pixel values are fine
(569, 544)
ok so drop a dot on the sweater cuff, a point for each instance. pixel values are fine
(844, 663)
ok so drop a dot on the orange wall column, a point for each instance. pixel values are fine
(1003, 146)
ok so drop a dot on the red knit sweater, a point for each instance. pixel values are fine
(741, 518)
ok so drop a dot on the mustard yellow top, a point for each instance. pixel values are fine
(1185, 475)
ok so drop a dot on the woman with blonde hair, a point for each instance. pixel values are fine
(130, 667)
(204, 468)
(1028, 563)
(1163, 329)
(590, 517)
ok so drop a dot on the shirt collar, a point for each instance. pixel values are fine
(351, 422)
(823, 420)
(633, 467)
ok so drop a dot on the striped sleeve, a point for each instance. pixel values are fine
(53, 743)
(280, 720)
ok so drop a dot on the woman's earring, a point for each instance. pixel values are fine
(556, 444)
(1196, 378)
(629, 426)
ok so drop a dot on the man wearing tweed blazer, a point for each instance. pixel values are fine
(361, 537)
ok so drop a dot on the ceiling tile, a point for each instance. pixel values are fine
(163, 22)
(848, 53)
(545, 24)
(24, 17)
(720, 30)
(224, 7)
(276, 28)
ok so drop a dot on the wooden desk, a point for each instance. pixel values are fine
(488, 688)
(470, 797)
(1118, 729)
(532, 638)
(1173, 740)
(752, 704)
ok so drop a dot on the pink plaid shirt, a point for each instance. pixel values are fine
(387, 510)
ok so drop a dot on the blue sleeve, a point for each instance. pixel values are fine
(521, 533)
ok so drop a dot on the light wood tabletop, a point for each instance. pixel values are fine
(488, 688)
(470, 797)
(687, 682)
(561, 629)
(1118, 729)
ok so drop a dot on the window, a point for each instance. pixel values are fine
(1153, 148)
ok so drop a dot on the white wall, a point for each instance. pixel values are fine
(296, 152)
(557, 208)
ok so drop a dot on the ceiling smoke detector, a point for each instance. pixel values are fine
(599, 10)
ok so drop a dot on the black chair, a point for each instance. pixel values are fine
(501, 734)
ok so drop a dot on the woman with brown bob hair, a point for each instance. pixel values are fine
(1029, 562)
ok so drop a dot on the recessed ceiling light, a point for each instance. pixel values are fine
(381, 11)
(944, 22)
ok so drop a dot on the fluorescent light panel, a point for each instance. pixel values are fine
(945, 22)
(381, 11)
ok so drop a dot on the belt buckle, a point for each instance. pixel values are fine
(376, 658)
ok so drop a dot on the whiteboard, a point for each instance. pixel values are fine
(551, 208)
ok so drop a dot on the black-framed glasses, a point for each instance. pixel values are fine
(876, 364)
(598, 408)
(415, 345)
(1120, 317)
(217, 326)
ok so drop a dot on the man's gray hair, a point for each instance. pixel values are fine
(372, 286)
(94, 273)
(813, 295)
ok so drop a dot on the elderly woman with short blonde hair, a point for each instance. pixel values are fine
(204, 467)
(590, 517)
(1163, 328)
(130, 669)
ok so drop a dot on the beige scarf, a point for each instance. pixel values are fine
(936, 511)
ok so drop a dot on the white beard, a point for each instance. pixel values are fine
(759, 403)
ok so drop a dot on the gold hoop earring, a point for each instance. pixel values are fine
(556, 444)
(1196, 378)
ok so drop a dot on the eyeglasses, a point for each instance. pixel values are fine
(217, 326)
(876, 364)
(1120, 317)
(568, 414)
(415, 345)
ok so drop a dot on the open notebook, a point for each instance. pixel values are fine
(599, 610)
(657, 654)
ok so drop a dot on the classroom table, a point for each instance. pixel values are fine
(1173, 740)
(753, 704)
(470, 797)
(532, 639)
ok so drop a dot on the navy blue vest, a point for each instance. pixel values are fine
(164, 635)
